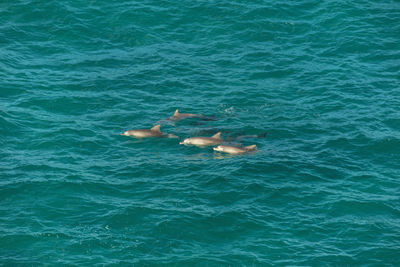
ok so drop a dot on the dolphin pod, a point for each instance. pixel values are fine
(199, 141)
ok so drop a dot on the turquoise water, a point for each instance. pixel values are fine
(322, 78)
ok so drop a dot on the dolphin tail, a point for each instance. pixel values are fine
(263, 135)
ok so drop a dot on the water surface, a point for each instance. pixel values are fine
(321, 77)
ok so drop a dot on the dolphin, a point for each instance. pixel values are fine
(177, 115)
(240, 137)
(234, 149)
(263, 135)
(153, 132)
(203, 141)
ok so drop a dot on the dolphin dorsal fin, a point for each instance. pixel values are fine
(176, 112)
(252, 147)
(217, 135)
(156, 128)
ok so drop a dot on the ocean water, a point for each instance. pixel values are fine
(322, 78)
